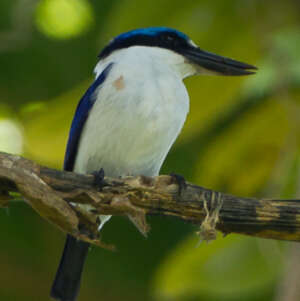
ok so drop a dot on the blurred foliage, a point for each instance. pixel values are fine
(241, 137)
(76, 17)
(224, 270)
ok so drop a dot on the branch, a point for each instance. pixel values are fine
(55, 195)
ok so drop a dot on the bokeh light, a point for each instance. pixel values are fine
(63, 19)
(11, 137)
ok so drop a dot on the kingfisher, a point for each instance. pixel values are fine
(128, 119)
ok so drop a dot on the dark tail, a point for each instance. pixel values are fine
(67, 280)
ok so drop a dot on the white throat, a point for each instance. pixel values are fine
(160, 57)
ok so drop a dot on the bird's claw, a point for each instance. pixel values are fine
(180, 180)
(99, 179)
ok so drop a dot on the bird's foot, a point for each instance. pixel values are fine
(180, 180)
(99, 181)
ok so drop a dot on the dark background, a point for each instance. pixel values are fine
(241, 137)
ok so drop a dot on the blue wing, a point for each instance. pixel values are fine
(81, 115)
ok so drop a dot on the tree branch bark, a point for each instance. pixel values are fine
(55, 195)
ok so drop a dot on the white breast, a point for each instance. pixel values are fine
(139, 112)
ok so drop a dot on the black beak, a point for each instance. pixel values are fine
(216, 63)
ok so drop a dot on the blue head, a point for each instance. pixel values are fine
(179, 43)
(163, 37)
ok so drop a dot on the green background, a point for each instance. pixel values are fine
(241, 137)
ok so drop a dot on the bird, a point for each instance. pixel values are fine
(130, 116)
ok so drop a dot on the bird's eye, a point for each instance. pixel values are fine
(169, 38)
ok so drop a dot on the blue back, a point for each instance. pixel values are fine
(81, 115)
